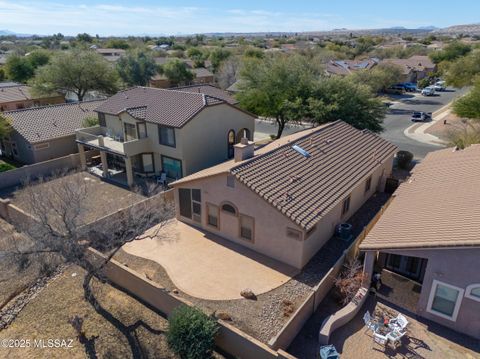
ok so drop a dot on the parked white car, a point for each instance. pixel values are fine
(428, 91)
(439, 86)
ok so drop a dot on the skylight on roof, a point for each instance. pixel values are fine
(300, 150)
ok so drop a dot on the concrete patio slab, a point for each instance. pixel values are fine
(207, 266)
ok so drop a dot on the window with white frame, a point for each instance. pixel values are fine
(445, 300)
(473, 292)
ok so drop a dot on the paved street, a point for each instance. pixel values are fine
(398, 119)
(265, 128)
(395, 123)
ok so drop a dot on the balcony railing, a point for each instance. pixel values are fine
(104, 138)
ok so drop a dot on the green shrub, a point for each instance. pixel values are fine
(404, 159)
(6, 167)
(191, 333)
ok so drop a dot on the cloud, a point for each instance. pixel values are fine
(46, 17)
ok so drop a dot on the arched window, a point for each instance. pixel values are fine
(229, 208)
(244, 132)
(230, 143)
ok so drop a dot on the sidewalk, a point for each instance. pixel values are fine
(418, 133)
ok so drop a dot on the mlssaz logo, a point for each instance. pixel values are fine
(53, 343)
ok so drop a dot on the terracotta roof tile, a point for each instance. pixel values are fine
(172, 107)
(38, 124)
(304, 189)
(438, 207)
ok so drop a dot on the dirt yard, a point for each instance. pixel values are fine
(102, 198)
(445, 131)
(47, 317)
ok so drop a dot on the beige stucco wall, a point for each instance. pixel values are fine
(270, 225)
(15, 105)
(204, 139)
(199, 144)
(326, 227)
(457, 267)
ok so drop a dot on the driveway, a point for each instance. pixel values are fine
(209, 267)
(398, 119)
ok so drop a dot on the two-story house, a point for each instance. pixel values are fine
(285, 199)
(145, 131)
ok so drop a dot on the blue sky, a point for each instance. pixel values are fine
(186, 16)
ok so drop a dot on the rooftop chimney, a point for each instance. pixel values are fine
(243, 150)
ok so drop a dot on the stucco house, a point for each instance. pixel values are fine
(430, 235)
(43, 133)
(145, 131)
(347, 67)
(15, 96)
(201, 75)
(414, 68)
(284, 200)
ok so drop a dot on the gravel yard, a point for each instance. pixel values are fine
(102, 198)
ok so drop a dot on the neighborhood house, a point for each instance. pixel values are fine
(44, 133)
(15, 96)
(285, 200)
(146, 131)
(430, 235)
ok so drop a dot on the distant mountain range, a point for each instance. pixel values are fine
(11, 33)
(469, 29)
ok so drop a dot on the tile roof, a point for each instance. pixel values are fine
(139, 113)
(209, 90)
(169, 107)
(413, 63)
(302, 188)
(15, 92)
(439, 206)
(38, 124)
(201, 72)
(345, 67)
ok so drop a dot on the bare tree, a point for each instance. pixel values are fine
(228, 73)
(350, 280)
(464, 134)
(58, 227)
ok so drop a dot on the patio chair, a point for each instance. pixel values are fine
(395, 337)
(162, 179)
(329, 352)
(369, 322)
(380, 339)
(399, 323)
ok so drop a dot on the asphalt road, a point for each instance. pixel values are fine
(395, 123)
(399, 115)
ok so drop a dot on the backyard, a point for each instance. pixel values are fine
(263, 317)
(102, 197)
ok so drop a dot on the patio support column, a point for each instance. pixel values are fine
(103, 156)
(368, 264)
(83, 159)
(128, 167)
